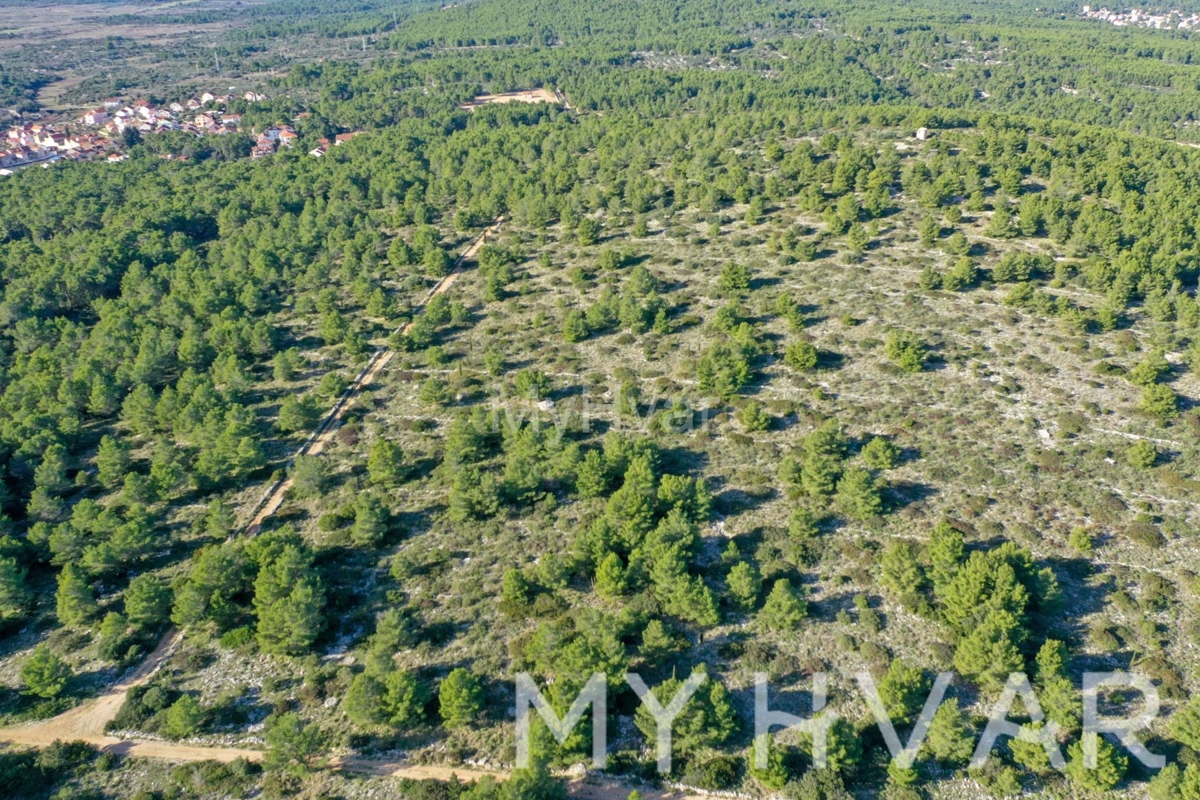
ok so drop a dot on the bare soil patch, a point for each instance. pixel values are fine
(526, 96)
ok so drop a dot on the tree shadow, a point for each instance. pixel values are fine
(682, 460)
(731, 502)
(904, 494)
(763, 282)
(829, 360)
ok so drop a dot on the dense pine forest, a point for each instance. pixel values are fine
(791, 339)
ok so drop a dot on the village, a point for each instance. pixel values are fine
(104, 133)
(1139, 18)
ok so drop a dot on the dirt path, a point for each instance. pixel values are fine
(317, 441)
(580, 789)
(87, 722)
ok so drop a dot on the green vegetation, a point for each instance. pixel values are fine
(749, 379)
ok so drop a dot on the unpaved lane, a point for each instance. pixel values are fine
(87, 721)
(323, 434)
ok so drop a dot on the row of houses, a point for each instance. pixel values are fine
(190, 117)
(98, 131)
(40, 142)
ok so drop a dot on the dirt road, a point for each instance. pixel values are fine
(87, 722)
(323, 434)
(579, 789)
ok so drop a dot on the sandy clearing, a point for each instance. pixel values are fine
(528, 96)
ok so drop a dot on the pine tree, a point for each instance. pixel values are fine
(843, 746)
(632, 507)
(879, 453)
(901, 573)
(535, 783)
(610, 577)
(1160, 400)
(775, 775)
(184, 717)
(903, 691)
(818, 475)
(1031, 755)
(460, 698)
(1142, 454)
(14, 594)
(288, 600)
(587, 232)
(292, 745)
(1150, 370)
(930, 278)
(113, 632)
(754, 212)
(76, 604)
(929, 230)
(1109, 770)
(857, 238)
(575, 327)
(753, 417)
(988, 652)
(591, 476)
(219, 575)
(1185, 724)
(385, 463)
(112, 462)
(657, 642)
(220, 520)
(784, 609)
(907, 350)
(951, 740)
(364, 701)
(371, 519)
(1051, 661)
(474, 494)
(858, 494)
(707, 719)
(1000, 226)
(946, 553)
(734, 278)
(801, 356)
(393, 632)
(51, 474)
(961, 276)
(405, 699)
(44, 673)
(745, 584)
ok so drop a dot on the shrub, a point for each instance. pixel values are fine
(44, 673)
(907, 350)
